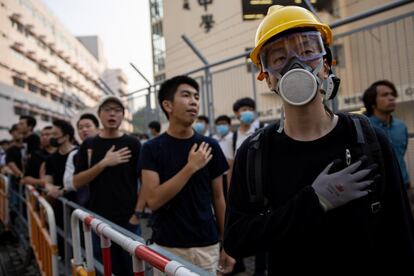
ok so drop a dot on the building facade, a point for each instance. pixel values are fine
(377, 47)
(44, 70)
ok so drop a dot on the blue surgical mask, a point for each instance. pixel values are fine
(222, 130)
(247, 117)
(199, 128)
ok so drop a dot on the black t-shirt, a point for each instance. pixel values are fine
(55, 166)
(14, 154)
(187, 220)
(34, 163)
(296, 230)
(113, 193)
(32, 143)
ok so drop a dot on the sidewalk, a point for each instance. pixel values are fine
(15, 259)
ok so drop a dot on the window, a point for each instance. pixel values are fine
(33, 88)
(43, 92)
(43, 68)
(18, 26)
(19, 82)
(19, 111)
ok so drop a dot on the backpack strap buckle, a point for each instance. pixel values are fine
(375, 207)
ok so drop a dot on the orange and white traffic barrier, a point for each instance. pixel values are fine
(140, 252)
(42, 232)
(4, 200)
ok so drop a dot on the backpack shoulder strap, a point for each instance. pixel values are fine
(367, 139)
(254, 164)
(234, 140)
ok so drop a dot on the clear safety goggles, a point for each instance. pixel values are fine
(305, 46)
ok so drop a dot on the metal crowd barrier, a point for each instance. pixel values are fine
(4, 200)
(139, 252)
(36, 228)
(42, 232)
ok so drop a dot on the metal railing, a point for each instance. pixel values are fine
(138, 251)
(34, 220)
(42, 232)
(4, 200)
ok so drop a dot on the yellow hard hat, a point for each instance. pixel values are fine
(283, 18)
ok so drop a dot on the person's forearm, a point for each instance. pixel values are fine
(169, 189)
(140, 206)
(15, 170)
(85, 177)
(219, 210)
(30, 180)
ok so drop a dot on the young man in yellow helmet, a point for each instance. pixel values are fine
(318, 190)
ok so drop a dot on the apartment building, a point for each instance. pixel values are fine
(45, 71)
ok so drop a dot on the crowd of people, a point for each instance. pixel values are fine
(313, 188)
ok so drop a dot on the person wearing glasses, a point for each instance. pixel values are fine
(108, 163)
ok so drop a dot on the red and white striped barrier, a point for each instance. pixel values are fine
(140, 252)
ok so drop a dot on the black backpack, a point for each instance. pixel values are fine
(367, 144)
(235, 134)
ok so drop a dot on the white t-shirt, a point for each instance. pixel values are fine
(243, 136)
(226, 144)
(69, 170)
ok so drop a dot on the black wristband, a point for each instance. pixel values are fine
(139, 214)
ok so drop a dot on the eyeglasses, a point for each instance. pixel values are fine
(305, 46)
(108, 109)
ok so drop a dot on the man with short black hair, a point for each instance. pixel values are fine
(14, 158)
(379, 101)
(155, 128)
(182, 180)
(87, 127)
(224, 136)
(35, 169)
(245, 111)
(26, 124)
(112, 176)
(62, 138)
(202, 125)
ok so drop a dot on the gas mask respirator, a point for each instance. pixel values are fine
(287, 59)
